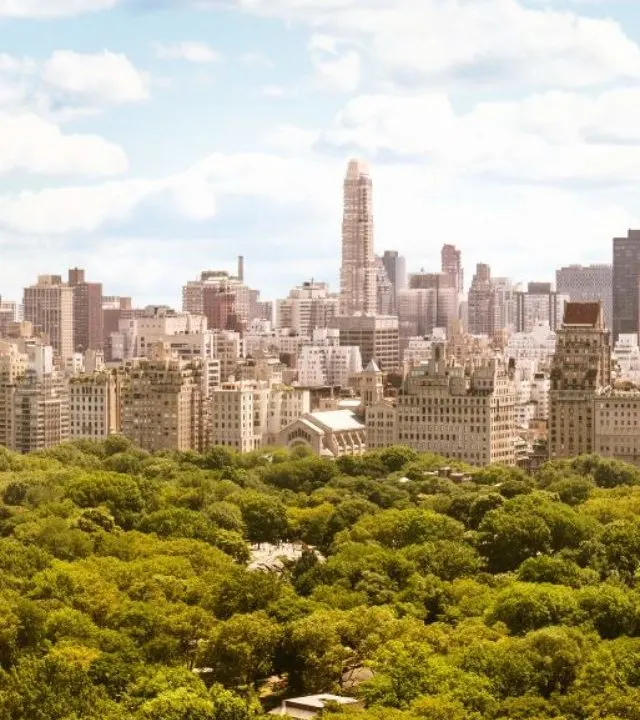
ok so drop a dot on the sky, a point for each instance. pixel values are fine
(148, 140)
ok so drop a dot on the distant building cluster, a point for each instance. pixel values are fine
(496, 373)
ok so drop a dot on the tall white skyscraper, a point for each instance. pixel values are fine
(358, 271)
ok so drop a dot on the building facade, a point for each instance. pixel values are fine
(480, 302)
(581, 368)
(95, 405)
(163, 404)
(588, 283)
(377, 337)
(358, 270)
(88, 333)
(626, 284)
(470, 417)
(48, 306)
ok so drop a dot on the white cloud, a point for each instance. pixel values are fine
(97, 79)
(257, 60)
(289, 138)
(274, 91)
(415, 42)
(333, 70)
(34, 145)
(550, 137)
(194, 52)
(51, 8)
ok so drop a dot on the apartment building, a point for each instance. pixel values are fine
(539, 305)
(48, 306)
(87, 312)
(470, 417)
(238, 414)
(163, 403)
(617, 424)
(95, 405)
(309, 306)
(376, 336)
(327, 365)
(224, 299)
(249, 414)
(581, 368)
(40, 412)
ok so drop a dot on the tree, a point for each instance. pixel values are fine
(241, 650)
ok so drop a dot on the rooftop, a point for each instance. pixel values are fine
(336, 419)
(586, 313)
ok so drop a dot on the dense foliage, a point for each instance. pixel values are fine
(125, 591)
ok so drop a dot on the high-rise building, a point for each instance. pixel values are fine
(164, 404)
(40, 412)
(385, 294)
(451, 265)
(468, 416)
(48, 305)
(504, 304)
(309, 306)
(114, 309)
(580, 369)
(376, 336)
(95, 405)
(539, 305)
(396, 267)
(626, 284)
(358, 271)
(481, 302)
(87, 312)
(588, 283)
(225, 300)
(440, 304)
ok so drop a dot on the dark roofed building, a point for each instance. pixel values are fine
(581, 368)
(582, 314)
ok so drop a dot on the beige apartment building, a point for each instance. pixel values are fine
(617, 424)
(48, 305)
(95, 405)
(163, 407)
(580, 370)
(40, 412)
(377, 336)
(442, 409)
(238, 413)
(249, 414)
(381, 420)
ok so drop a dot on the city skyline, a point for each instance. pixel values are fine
(210, 129)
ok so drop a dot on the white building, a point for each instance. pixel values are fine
(328, 433)
(441, 409)
(320, 366)
(538, 346)
(309, 306)
(626, 357)
(248, 414)
(137, 335)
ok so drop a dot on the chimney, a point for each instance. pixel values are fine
(241, 268)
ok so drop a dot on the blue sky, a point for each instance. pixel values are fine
(147, 140)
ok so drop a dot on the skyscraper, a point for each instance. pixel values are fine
(581, 368)
(358, 272)
(48, 305)
(626, 283)
(396, 267)
(588, 283)
(451, 259)
(87, 312)
(481, 302)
